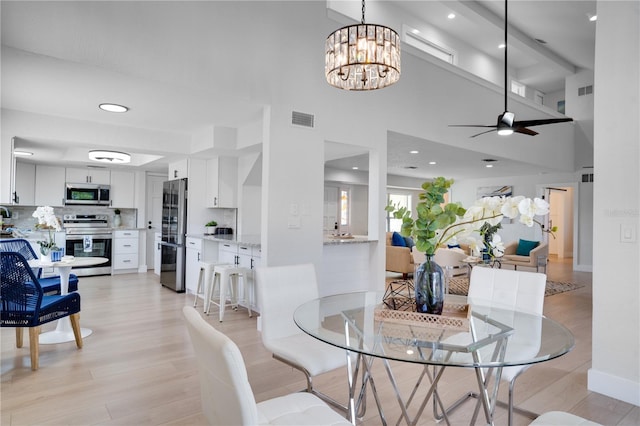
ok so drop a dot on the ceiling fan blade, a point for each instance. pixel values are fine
(482, 133)
(525, 131)
(530, 123)
(470, 125)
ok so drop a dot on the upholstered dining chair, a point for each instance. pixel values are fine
(516, 290)
(23, 303)
(227, 397)
(48, 284)
(280, 290)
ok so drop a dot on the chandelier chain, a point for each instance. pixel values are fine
(362, 22)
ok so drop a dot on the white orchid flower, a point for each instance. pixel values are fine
(527, 220)
(497, 246)
(541, 207)
(510, 206)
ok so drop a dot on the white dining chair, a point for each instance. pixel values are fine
(280, 290)
(227, 397)
(514, 290)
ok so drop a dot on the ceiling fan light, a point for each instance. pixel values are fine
(112, 157)
(505, 132)
(113, 107)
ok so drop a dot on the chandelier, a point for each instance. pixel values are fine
(362, 57)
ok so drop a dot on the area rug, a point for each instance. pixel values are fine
(460, 285)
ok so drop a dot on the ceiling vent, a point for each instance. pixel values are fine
(302, 119)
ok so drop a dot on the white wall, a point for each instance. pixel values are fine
(615, 369)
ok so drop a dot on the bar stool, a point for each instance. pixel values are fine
(205, 281)
(225, 278)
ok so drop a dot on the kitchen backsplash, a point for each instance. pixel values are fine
(21, 216)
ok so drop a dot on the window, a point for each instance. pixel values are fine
(344, 207)
(398, 200)
(518, 88)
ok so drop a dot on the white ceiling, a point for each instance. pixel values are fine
(61, 59)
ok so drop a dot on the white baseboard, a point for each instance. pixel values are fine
(614, 386)
(583, 268)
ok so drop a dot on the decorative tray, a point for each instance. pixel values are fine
(455, 316)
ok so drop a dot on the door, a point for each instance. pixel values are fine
(154, 214)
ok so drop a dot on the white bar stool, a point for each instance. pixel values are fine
(205, 281)
(225, 278)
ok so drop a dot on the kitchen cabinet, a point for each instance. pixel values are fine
(222, 182)
(245, 256)
(193, 258)
(157, 258)
(25, 184)
(49, 185)
(125, 251)
(179, 169)
(122, 189)
(88, 175)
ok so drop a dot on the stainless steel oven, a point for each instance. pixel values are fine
(88, 235)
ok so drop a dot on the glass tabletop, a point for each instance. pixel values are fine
(493, 337)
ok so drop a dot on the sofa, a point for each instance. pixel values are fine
(537, 257)
(399, 259)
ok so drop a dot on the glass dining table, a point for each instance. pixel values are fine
(492, 338)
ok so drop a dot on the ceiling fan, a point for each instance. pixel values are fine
(506, 124)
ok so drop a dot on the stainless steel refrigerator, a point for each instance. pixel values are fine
(174, 229)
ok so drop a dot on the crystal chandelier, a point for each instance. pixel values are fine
(362, 57)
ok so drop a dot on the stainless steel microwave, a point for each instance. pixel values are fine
(87, 194)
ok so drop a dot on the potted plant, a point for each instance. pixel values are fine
(211, 227)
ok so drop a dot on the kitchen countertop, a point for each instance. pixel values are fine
(250, 240)
(354, 239)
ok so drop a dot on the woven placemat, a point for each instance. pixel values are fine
(460, 285)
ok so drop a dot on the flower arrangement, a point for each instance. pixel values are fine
(47, 220)
(478, 225)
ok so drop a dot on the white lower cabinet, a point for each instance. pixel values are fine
(157, 258)
(192, 263)
(245, 256)
(125, 251)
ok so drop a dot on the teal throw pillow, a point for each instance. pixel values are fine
(525, 247)
(398, 240)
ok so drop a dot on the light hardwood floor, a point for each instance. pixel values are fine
(138, 368)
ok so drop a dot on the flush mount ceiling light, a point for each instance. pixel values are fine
(109, 156)
(362, 57)
(113, 107)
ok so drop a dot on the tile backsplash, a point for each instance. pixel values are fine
(21, 216)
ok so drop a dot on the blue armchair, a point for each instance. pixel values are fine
(23, 303)
(48, 284)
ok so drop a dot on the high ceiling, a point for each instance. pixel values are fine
(59, 57)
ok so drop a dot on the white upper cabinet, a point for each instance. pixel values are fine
(122, 189)
(179, 169)
(222, 182)
(49, 188)
(25, 186)
(88, 175)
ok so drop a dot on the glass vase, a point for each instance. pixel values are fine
(429, 287)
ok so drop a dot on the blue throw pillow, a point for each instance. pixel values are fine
(525, 247)
(398, 240)
(409, 242)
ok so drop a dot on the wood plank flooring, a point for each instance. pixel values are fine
(138, 368)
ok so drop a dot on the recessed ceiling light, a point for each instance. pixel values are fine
(432, 162)
(592, 18)
(113, 107)
(488, 166)
(451, 15)
(413, 152)
(111, 157)
(22, 153)
(501, 46)
(354, 168)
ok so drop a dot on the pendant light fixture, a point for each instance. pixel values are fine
(362, 56)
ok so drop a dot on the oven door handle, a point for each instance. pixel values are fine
(74, 237)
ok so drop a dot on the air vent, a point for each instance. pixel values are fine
(302, 119)
(586, 90)
(489, 160)
(410, 167)
(587, 177)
